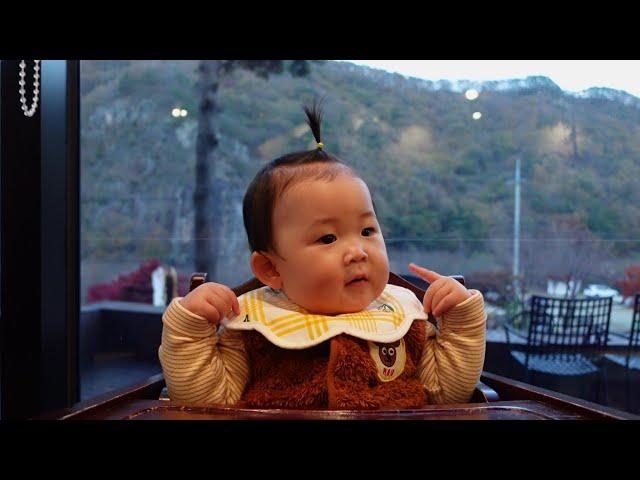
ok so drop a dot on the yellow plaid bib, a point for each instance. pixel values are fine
(288, 325)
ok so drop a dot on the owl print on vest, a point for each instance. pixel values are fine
(389, 359)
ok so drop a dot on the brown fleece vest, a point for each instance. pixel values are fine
(337, 374)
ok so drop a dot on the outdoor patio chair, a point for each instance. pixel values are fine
(564, 337)
(630, 360)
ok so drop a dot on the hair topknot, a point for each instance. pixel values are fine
(314, 118)
(274, 178)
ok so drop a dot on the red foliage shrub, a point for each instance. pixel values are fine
(130, 287)
(631, 284)
(134, 286)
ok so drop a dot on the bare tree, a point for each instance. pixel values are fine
(578, 255)
(207, 199)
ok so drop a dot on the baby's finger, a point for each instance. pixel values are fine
(235, 305)
(211, 313)
(431, 291)
(424, 273)
(441, 293)
(220, 300)
(445, 304)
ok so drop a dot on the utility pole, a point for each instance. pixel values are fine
(516, 231)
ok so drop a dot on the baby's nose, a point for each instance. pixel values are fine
(355, 253)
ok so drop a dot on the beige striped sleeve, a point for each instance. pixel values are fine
(200, 365)
(453, 354)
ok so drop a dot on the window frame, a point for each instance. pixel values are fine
(40, 269)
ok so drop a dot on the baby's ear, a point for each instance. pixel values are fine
(265, 270)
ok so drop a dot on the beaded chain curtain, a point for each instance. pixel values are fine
(29, 111)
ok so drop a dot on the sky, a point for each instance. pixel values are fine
(570, 75)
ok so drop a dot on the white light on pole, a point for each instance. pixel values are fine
(183, 113)
(471, 94)
(175, 112)
(477, 115)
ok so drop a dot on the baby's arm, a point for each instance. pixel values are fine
(199, 364)
(453, 355)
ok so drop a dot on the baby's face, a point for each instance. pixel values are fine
(331, 254)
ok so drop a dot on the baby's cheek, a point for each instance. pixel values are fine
(313, 284)
(322, 274)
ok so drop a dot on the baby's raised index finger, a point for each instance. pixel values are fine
(428, 275)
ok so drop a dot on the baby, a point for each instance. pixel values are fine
(327, 330)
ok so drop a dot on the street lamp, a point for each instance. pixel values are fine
(471, 94)
(179, 112)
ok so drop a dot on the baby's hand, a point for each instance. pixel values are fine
(212, 301)
(443, 293)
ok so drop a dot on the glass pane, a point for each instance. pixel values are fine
(524, 186)
(135, 174)
(520, 176)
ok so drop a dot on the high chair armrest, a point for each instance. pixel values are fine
(484, 394)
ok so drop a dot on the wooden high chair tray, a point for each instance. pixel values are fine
(165, 410)
(517, 401)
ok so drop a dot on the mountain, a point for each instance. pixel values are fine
(440, 179)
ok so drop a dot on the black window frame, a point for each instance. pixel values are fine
(40, 264)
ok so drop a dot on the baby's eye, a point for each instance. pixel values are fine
(368, 231)
(327, 239)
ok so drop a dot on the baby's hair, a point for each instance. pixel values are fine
(314, 120)
(281, 173)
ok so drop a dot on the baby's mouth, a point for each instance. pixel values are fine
(358, 280)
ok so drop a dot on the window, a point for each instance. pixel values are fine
(521, 185)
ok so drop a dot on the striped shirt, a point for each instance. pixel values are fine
(203, 365)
